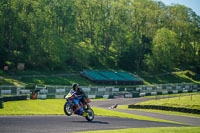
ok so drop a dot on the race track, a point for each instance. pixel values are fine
(66, 124)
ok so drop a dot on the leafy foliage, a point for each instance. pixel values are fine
(126, 34)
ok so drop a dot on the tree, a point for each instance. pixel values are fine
(81, 34)
(164, 51)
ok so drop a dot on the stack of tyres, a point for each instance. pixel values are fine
(14, 98)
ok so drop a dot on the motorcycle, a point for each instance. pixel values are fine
(69, 107)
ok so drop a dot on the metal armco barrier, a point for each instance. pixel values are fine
(59, 91)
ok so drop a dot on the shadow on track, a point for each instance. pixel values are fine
(93, 122)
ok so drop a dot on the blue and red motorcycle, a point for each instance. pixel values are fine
(69, 107)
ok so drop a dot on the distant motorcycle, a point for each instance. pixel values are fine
(69, 107)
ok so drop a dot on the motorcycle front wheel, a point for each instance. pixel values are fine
(90, 115)
(67, 109)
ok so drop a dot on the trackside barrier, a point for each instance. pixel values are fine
(175, 91)
(128, 95)
(51, 91)
(194, 90)
(1, 104)
(164, 92)
(153, 93)
(12, 90)
(13, 98)
(106, 96)
(59, 91)
(5, 92)
(142, 94)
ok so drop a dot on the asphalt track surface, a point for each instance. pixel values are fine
(65, 124)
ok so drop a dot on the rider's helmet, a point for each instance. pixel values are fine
(75, 85)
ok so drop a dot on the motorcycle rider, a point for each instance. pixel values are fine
(79, 93)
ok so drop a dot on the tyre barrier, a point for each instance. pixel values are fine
(166, 108)
(1, 104)
(13, 98)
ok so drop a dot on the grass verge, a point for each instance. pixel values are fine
(186, 76)
(151, 130)
(159, 111)
(170, 95)
(33, 107)
(52, 78)
(105, 112)
(191, 102)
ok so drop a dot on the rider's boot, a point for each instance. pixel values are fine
(77, 107)
(88, 106)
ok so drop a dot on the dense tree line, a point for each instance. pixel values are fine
(128, 34)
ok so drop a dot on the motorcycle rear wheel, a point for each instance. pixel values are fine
(67, 109)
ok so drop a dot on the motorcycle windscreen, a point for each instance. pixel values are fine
(70, 94)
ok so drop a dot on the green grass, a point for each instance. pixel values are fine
(151, 130)
(57, 80)
(97, 99)
(170, 95)
(47, 80)
(192, 102)
(55, 107)
(159, 111)
(174, 77)
(10, 81)
(177, 77)
(33, 107)
(43, 78)
(105, 112)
